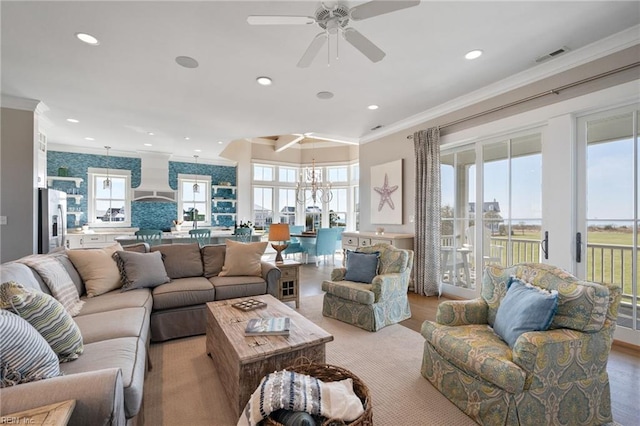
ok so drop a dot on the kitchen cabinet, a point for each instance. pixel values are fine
(96, 240)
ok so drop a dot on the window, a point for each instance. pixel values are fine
(262, 206)
(338, 208)
(287, 174)
(287, 205)
(263, 173)
(109, 206)
(338, 174)
(192, 205)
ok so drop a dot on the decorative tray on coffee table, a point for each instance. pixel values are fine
(249, 305)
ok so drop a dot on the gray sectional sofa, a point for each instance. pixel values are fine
(107, 380)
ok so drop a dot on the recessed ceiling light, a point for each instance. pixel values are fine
(197, 150)
(187, 62)
(89, 139)
(72, 120)
(186, 138)
(264, 81)
(87, 38)
(324, 95)
(473, 54)
(151, 133)
(220, 142)
(148, 144)
(372, 107)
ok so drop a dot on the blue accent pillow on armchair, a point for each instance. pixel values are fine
(524, 308)
(361, 267)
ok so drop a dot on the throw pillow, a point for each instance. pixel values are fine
(524, 308)
(26, 356)
(46, 315)
(361, 267)
(181, 260)
(97, 268)
(213, 259)
(243, 259)
(139, 270)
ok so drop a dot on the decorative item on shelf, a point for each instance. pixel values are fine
(177, 224)
(311, 180)
(106, 184)
(63, 171)
(279, 232)
(222, 183)
(380, 230)
(196, 187)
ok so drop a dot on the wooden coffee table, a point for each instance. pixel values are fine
(242, 361)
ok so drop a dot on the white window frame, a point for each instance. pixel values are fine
(92, 174)
(205, 185)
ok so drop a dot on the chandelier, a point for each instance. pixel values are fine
(311, 180)
(196, 187)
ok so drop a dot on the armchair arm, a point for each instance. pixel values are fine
(338, 274)
(271, 274)
(462, 312)
(571, 355)
(388, 286)
(99, 396)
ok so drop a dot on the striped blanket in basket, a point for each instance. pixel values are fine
(298, 392)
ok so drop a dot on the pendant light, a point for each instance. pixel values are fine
(106, 184)
(196, 187)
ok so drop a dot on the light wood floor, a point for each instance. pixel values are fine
(623, 366)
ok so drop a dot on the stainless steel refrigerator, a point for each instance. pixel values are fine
(52, 218)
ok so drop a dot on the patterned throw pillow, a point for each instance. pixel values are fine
(26, 356)
(47, 316)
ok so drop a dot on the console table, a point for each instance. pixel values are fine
(353, 240)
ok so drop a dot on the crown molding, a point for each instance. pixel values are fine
(599, 49)
(24, 104)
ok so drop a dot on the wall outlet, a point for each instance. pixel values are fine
(3, 220)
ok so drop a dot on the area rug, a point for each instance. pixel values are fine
(184, 388)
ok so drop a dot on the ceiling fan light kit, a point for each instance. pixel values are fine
(334, 19)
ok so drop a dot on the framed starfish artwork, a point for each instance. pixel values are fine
(386, 193)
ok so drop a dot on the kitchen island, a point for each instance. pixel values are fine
(182, 237)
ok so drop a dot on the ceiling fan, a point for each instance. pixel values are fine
(333, 18)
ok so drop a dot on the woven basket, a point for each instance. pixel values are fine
(333, 373)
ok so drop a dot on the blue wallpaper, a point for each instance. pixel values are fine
(144, 214)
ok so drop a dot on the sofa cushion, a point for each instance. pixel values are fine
(477, 350)
(524, 308)
(97, 268)
(118, 300)
(243, 259)
(46, 315)
(361, 267)
(126, 353)
(137, 247)
(140, 270)
(232, 287)
(349, 290)
(183, 292)
(213, 259)
(21, 273)
(26, 355)
(71, 270)
(181, 260)
(129, 322)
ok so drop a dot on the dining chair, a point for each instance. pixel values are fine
(201, 236)
(324, 244)
(149, 236)
(339, 237)
(294, 242)
(243, 234)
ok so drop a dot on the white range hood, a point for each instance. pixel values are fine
(154, 179)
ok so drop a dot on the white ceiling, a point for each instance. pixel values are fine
(130, 84)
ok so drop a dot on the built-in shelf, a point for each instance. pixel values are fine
(219, 187)
(77, 197)
(76, 214)
(227, 200)
(77, 180)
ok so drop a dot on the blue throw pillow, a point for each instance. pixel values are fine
(361, 267)
(524, 308)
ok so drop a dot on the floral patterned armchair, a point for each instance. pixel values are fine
(558, 376)
(372, 306)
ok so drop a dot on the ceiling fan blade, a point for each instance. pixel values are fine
(280, 20)
(364, 45)
(312, 50)
(375, 8)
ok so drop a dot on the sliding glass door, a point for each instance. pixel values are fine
(608, 212)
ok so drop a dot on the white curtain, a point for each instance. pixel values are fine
(427, 212)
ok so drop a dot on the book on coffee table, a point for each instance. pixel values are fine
(272, 326)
